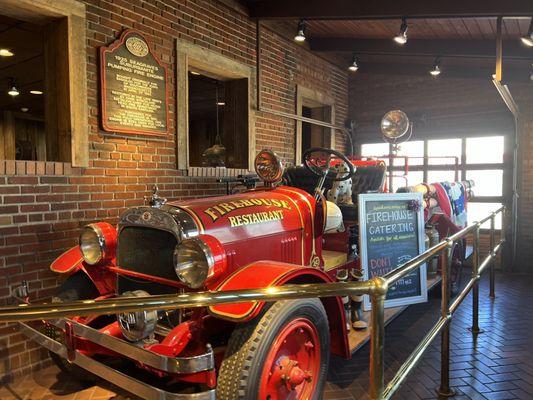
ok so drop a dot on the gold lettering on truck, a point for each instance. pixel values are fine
(221, 209)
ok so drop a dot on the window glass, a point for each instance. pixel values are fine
(374, 149)
(24, 73)
(218, 122)
(441, 176)
(484, 150)
(413, 178)
(410, 149)
(486, 182)
(478, 211)
(441, 151)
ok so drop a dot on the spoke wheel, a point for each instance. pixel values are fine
(282, 354)
(292, 363)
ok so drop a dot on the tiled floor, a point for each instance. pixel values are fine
(498, 365)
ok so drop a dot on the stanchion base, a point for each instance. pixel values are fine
(476, 331)
(445, 393)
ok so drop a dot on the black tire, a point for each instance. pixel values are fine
(77, 287)
(249, 345)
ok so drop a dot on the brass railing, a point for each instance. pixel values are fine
(376, 288)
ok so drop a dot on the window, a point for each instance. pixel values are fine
(43, 117)
(480, 159)
(215, 104)
(218, 122)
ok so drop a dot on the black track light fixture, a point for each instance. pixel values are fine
(354, 66)
(401, 37)
(528, 39)
(435, 71)
(300, 33)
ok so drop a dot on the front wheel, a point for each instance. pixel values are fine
(283, 354)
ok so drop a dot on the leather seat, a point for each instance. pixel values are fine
(367, 179)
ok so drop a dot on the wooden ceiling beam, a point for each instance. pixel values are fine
(342, 9)
(472, 48)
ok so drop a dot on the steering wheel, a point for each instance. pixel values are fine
(319, 160)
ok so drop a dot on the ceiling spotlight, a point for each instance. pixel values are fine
(528, 39)
(6, 53)
(194, 73)
(13, 91)
(36, 91)
(401, 37)
(354, 66)
(221, 103)
(300, 33)
(435, 71)
(24, 109)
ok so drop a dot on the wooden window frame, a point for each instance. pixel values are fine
(73, 12)
(310, 97)
(193, 57)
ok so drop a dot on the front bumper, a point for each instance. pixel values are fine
(183, 365)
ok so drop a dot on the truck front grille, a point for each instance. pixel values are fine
(148, 251)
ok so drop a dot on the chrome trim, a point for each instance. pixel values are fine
(177, 365)
(132, 385)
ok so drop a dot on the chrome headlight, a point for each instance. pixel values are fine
(98, 242)
(198, 260)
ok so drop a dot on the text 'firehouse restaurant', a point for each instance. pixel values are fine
(266, 199)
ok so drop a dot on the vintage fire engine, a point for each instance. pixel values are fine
(264, 237)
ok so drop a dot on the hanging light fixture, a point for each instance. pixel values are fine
(6, 53)
(528, 39)
(353, 67)
(435, 71)
(13, 91)
(300, 33)
(401, 37)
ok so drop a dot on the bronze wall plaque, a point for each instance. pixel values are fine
(133, 87)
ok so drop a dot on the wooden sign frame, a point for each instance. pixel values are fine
(113, 47)
(384, 197)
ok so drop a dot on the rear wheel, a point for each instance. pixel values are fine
(280, 355)
(77, 287)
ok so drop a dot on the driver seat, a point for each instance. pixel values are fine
(301, 178)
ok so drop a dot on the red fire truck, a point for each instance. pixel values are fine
(262, 238)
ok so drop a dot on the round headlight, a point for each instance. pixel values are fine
(268, 166)
(198, 260)
(137, 325)
(98, 242)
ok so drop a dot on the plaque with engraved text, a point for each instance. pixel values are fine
(133, 87)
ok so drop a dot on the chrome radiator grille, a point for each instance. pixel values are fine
(148, 251)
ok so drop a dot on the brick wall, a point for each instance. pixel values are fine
(445, 107)
(44, 205)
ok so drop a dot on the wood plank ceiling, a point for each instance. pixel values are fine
(466, 44)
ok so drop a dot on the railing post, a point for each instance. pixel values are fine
(493, 261)
(444, 389)
(475, 288)
(377, 338)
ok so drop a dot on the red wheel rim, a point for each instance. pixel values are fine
(292, 366)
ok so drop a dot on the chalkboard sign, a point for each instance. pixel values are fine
(133, 87)
(391, 232)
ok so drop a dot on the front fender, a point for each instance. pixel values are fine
(263, 274)
(71, 261)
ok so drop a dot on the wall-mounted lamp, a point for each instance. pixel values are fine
(300, 33)
(401, 37)
(528, 39)
(435, 71)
